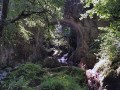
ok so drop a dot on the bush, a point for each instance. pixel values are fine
(76, 73)
(17, 84)
(62, 82)
(109, 47)
(62, 75)
(28, 71)
(20, 78)
(30, 76)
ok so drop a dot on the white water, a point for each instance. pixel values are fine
(63, 59)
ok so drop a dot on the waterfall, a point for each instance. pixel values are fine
(63, 59)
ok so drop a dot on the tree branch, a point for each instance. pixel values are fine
(25, 14)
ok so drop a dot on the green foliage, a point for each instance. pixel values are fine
(110, 45)
(34, 6)
(106, 8)
(60, 78)
(74, 72)
(18, 30)
(64, 78)
(57, 3)
(22, 27)
(20, 78)
(14, 84)
(62, 82)
(28, 71)
(9, 33)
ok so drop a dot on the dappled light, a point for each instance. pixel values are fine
(59, 44)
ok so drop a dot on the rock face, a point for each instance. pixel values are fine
(104, 75)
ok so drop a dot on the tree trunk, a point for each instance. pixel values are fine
(84, 30)
(3, 15)
(81, 47)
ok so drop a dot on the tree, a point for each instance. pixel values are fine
(4, 11)
(72, 11)
(24, 29)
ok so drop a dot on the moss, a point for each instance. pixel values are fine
(75, 72)
(29, 76)
(20, 78)
(61, 82)
(28, 71)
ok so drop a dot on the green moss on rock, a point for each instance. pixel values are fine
(61, 82)
(34, 77)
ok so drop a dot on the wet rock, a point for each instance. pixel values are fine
(93, 78)
(104, 76)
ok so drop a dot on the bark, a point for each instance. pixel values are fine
(72, 11)
(83, 29)
(5, 4)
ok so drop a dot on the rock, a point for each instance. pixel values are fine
(93, 78)
(51, 62)
(105, 74)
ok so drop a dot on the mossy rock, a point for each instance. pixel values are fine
(60, 82)
(28, 70)
(21, 77)
(30, 76)
(77, 73)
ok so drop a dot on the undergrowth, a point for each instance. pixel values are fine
(34, 77)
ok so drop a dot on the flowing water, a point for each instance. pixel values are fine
(63, 59)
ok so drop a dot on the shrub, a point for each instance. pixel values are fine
(28, 71)
(30, 76)
(68, 78)
(76, 73)
(17, 84)
(20, 78)
(109, 47)
(62, 82)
